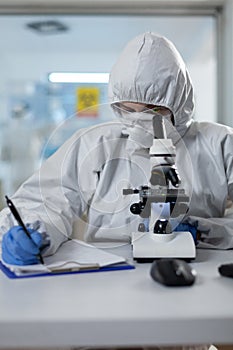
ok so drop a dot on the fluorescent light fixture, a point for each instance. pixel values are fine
(47, 27)
(57, 77)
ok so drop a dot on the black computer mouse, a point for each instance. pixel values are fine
(226, 270)
(173, 272)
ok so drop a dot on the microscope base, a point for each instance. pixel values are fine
(148, 246)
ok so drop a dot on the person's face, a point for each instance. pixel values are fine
(127, 109)
(135, 107)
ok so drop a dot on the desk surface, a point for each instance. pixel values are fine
(118, 308)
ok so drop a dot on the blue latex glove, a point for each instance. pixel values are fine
(188, 227)
(19, 249)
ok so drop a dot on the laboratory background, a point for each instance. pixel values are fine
(55, 61)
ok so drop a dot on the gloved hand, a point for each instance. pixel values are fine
(19, 249)
(188, 227)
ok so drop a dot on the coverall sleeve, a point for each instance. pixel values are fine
(51, 199)
(217, 233)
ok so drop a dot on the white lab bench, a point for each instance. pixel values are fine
(119, 308)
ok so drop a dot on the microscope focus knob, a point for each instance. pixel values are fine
(136, 208)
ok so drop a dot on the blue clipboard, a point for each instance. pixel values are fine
(115, 267)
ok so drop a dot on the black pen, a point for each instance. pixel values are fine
(17, 217)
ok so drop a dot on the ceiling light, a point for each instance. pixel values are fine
(78, 77)
(47, 27)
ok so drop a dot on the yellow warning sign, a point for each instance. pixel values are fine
(88, 99)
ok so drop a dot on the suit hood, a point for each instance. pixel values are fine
(150, 70)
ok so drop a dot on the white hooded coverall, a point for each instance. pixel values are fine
(88, 173)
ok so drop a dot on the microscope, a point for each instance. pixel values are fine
(160, 203)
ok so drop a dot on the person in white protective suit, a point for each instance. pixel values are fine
(87, 174)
